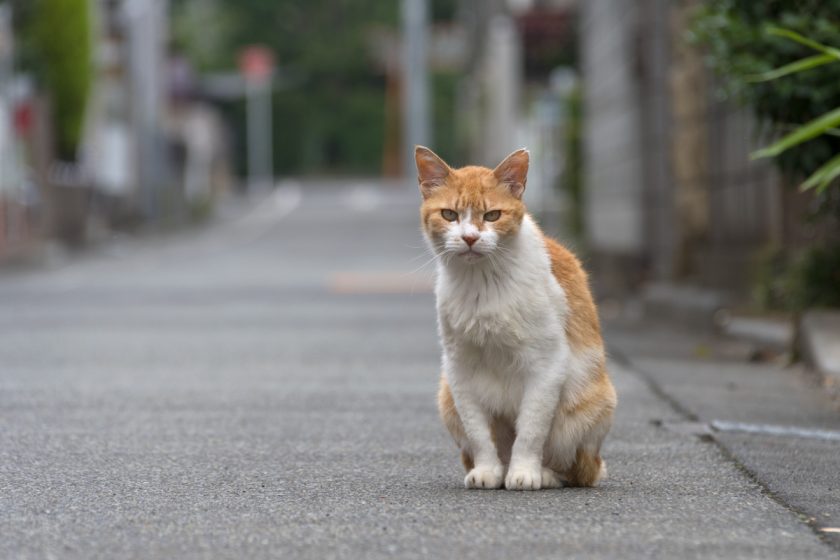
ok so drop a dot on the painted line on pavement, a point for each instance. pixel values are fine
(774, 430)
(380, 283)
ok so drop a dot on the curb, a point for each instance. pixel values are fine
(820, 343)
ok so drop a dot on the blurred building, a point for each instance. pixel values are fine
(672, 196)
(505, 42)
(125, 154)
(151, 150)
(517, 75)
(18, 197)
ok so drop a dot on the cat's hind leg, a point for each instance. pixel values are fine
(573, 448)
(550, 479)
(576, 463)
(587, 468)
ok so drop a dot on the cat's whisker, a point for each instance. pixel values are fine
(434, 257)
(427, 252)
(446, 256)
(422, 266)
(493, 262)
(422, 255)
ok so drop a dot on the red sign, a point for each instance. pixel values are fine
(256, 62)
(23, 118)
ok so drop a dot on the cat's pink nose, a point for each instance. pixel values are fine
(469, 239)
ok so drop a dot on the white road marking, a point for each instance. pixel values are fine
(383, 282)
(774, 430)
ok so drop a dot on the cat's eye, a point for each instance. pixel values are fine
(492, 215)
(449, 215)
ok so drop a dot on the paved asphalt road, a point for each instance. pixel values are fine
(265, 388)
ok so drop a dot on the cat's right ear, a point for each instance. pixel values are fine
(431, 170)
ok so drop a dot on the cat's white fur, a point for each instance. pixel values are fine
(501, 317)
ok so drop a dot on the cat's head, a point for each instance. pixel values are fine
(469, 213)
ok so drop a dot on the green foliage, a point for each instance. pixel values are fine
(56, 37)
(769, 286)
(444, 92)
(794, 67)
(332, 119)
(442, 10)
(824, 124)
(816, 278)
(739, 49)
(572, 179)
(348, 138)
(797, 283)
(824, 176)
(204, 28)
(802, 134)
(777, 72)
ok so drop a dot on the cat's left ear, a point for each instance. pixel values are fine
(513, 172)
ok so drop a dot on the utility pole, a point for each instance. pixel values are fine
(258, 108)
(148, 29)
(416, 125)
(257, 66)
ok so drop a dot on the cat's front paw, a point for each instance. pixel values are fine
(524, 478)
(488, 478)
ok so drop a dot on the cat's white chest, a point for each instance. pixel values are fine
(493, 347)
(499, 322)
(512, 303)
(503, 318)
(495, 315)
(502, 323)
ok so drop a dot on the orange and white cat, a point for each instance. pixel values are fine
(524, 390)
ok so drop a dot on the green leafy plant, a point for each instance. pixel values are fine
(56, 44)
(795, 282)
(739, 50)
(329, 105)
(780, 59)
(572, 180)
(824, 175)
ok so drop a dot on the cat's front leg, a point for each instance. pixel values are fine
(536, 413)
(488, 471)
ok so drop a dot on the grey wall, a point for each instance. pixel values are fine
(612, 149)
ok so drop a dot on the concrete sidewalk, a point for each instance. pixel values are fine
(773, 420)
(267, 390)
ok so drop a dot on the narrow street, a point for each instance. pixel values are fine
(265, 387)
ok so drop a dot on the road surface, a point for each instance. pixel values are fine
(264, 388)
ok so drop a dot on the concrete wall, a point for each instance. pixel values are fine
(672, 195)
(612, 149)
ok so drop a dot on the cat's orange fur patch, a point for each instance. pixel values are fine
(448, 413)
(582, 327)
(585, 471)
